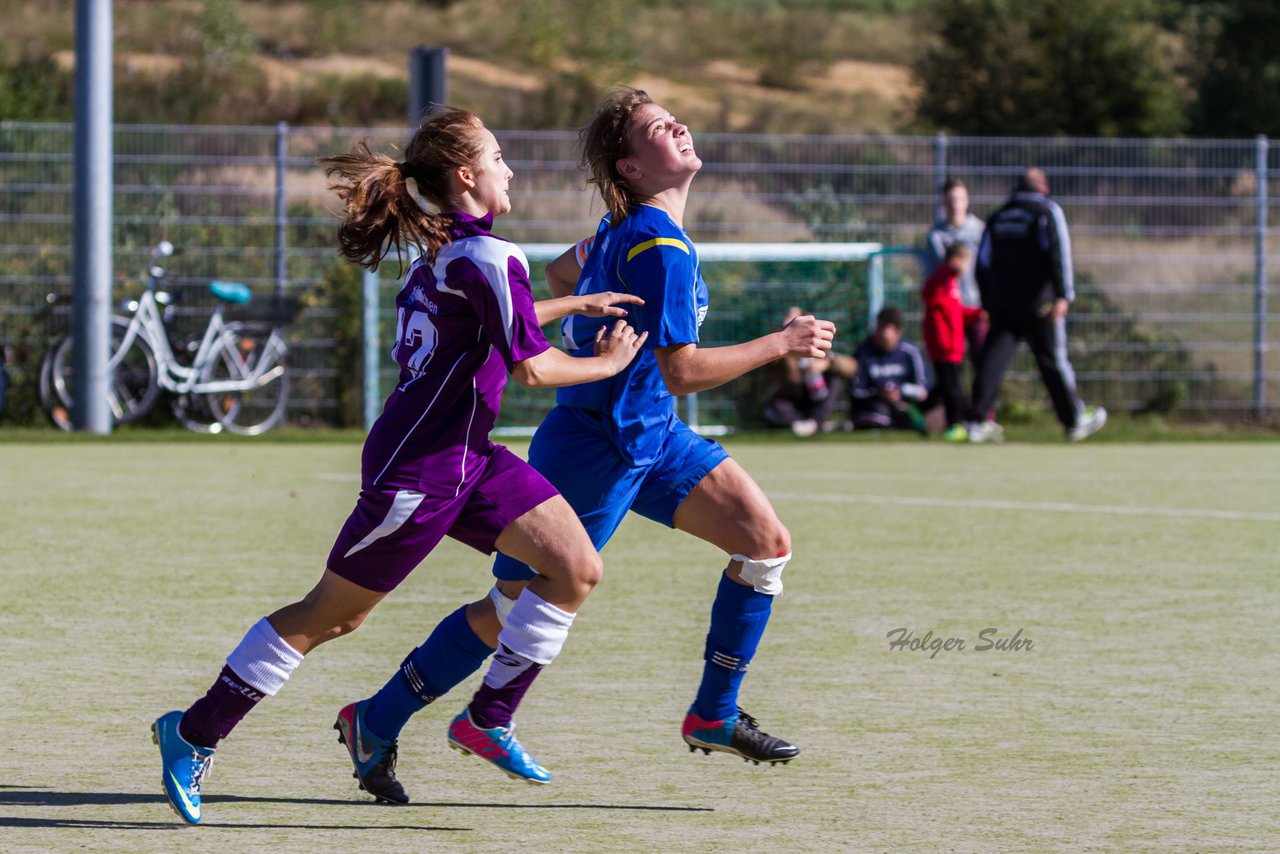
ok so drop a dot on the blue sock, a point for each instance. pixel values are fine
(738, 617)
(451, 654)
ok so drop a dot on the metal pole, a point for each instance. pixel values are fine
(875, 288)
(428, 82)
(691, 410)
(939, 171)
(1260, 283)
(282, 236)
(369, 313)
(91, 267)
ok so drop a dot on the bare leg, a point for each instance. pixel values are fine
(334, 607)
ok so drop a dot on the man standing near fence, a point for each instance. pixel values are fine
(1024, 274)
(958, 225)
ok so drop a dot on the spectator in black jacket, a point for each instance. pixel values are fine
(1025, 277)
(890, 382)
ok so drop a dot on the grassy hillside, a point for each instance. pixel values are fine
(824, 67)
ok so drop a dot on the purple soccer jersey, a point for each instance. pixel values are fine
(462, 320)
(429, 469)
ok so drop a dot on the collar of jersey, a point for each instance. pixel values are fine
(466, 225)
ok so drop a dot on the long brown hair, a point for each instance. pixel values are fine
(381, 213)
(604, 142)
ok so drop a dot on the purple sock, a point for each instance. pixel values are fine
(211, 718)
(494, 706)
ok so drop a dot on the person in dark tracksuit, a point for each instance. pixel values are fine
(1025, 278)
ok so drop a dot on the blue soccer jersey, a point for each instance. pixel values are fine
(648, 255)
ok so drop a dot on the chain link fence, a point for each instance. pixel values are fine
(1169, 236)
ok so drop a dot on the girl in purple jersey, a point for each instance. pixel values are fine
(465, 318)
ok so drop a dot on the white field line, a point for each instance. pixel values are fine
(967, 503)
(1050, 506)
(1085, 477)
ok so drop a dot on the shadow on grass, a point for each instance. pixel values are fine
(175, 824)
(20, 796)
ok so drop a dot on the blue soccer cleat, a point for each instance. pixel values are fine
(374, 758)
(497, 745)
(185, 766)
(738, 734)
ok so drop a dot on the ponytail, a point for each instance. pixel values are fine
(381, 213)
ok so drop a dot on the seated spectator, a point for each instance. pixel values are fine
(890, 380)
(804, 392)
(943, 327)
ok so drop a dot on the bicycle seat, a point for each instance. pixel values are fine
(231, 292)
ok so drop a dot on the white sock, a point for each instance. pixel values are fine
(534, 634)
(263, 659)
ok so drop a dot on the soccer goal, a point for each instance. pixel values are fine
(752, 285)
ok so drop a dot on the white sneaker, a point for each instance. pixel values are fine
(986, 431)
(804, 427)
(1090, 421)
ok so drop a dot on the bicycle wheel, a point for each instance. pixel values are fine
(254, 411)
(192, 412)
(132, 388)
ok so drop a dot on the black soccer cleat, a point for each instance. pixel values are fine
(739, 735)
(374, 758)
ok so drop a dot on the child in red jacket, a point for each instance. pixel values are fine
(944, 321)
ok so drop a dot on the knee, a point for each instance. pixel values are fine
(349, 624)
(773, 540)
(327, 622)
(338, 628)
(587, 571)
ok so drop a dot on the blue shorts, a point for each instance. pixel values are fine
(573, 452)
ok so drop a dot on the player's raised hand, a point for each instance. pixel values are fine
(806, 335)
(620, 345)
(607, 304)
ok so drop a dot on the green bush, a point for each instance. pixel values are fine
(1056, 67)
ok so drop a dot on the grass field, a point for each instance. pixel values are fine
(1143, 718)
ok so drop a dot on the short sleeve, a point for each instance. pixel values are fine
(664, 272)
(503, 300)
(582, 249)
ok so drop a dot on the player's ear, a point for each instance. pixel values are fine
(465, 177)
(628, 168)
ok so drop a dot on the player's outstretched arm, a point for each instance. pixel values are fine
(607, 304)
(686, 368)
(553, 368)
(562, 279)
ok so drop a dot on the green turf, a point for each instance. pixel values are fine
(1143, 719)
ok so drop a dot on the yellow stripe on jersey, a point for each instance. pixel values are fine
(657, 241)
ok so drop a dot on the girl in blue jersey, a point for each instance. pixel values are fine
(466, 318)
(617, 445)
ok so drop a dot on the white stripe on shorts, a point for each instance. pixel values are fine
(402, 507)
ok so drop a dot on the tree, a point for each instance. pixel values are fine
(1073, 67)
(1240, 90)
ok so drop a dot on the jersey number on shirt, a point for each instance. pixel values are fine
(417, 336)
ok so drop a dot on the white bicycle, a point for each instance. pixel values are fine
(236, 381)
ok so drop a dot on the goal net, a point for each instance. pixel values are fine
(752, 285)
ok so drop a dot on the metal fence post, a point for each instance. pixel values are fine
(92, 216)
(691, 410)
(282, 221)
(939, 170)
(369, 314)
(1260, 283)
(875, 288)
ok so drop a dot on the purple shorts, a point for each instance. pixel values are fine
(391, 531)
